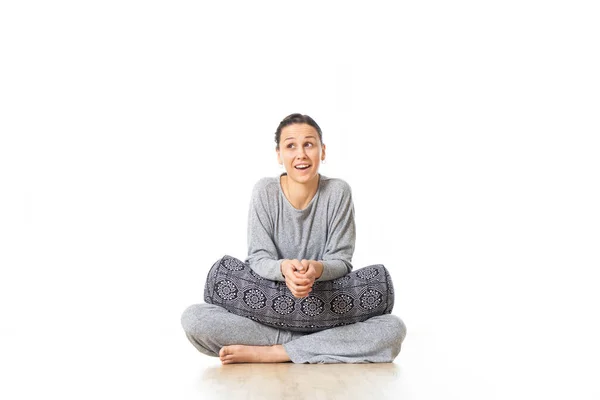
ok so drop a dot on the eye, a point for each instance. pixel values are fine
(308, 144)
(290, 146)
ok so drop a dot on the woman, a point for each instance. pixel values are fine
(300, 230)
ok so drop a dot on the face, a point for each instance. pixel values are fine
(301, 152)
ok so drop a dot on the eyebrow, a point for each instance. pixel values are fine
(305, 137)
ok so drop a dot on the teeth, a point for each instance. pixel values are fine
(303, 166)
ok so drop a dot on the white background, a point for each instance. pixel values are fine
(131, 134)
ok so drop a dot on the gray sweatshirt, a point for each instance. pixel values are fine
(323, 231)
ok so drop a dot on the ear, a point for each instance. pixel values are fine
(279, 157)
(323, 147)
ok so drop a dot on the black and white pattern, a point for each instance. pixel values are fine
(312, 306)
(355, 297)
(341, 282)
(226, 290)
(283, 305)
(342, 303)
(370, 299)
(367, 273)
(255, 299)
(233, 264)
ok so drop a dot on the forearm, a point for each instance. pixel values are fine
(268, 269)
(333, 269)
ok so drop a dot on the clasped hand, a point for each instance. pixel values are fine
(300, 275)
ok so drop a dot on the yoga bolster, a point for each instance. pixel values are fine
(355, 297)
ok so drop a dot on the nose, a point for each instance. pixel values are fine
(301, 152)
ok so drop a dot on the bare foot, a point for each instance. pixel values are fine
(253, 354)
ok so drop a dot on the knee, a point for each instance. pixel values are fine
(192, 319)
(197, 327)
(398, 327)
(397, 333)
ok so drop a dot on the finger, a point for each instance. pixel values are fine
(297, 265)
(291, 285)
(310, 273)
(305, 264)
(290, 272)
(298, 289)
(299, 280)
(300, 295)
(303, 286)
(304, 290)
(288, 269)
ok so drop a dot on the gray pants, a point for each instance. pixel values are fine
(210, 327)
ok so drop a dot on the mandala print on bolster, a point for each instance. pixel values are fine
(283, 305)
(370, 299)
(342, 303)
(355, 297)
(312, 306)
(226, 290)
(255, 299)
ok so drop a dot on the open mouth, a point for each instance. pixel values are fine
(302, 166)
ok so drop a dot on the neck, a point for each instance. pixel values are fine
(299, 194)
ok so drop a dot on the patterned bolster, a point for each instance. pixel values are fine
(355, 297)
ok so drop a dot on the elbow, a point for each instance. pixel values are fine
(349, 266)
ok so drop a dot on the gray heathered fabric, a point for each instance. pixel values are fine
(323, 231)
(379, 339)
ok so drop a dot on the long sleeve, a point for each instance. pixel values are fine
(337, 259)
(323, 231)
(262, 252)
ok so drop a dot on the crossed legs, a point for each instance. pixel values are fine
(216, 332)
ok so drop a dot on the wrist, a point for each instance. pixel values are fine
(281, 264)
(285, 266)
(319, 268)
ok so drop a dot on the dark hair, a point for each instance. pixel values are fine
(296, 119)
